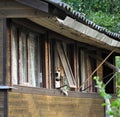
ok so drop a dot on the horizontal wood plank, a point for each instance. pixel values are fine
(50, 106)
(21, 13)
(41, 5)
(12, 9)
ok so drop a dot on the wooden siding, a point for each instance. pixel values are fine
(1, 51)
(13, 9)
(29, 105)
(1, 104)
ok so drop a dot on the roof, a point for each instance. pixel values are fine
(73, 25)
(79, 17)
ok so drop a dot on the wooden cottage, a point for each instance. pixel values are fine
(49, 56)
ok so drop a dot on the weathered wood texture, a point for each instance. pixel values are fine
(8, 82)
(1, 104)
(76, 35)
(10, 8)
(29, 105)
(1, 51)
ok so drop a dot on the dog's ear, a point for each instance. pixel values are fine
(62, 72)
(58, 69)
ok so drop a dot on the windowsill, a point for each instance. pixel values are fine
(52, 92)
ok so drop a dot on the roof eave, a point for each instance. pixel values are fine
(82, 35)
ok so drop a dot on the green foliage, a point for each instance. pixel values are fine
(105, 13)
(109, 21)
(114, 105)
(101, 86)
(117, 63)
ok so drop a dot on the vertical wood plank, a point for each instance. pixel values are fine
(20, 58)
(1, 52)
(32, 61)
(100, 70)
(4, 51)
(14, 56)
(9, 81)
(78, 66)
(89, 71)
(42, 63)
(47, 63)
(75, 66)
(3, 66)
(29, 58)
(39, 71)
(83, 68)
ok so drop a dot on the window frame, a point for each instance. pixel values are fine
(17, 28)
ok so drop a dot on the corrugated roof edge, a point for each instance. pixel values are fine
(79, 17)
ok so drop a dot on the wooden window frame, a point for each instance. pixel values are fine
(19, 55)
(66, 66)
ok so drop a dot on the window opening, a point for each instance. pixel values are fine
(106, 71)
(66, 65)
(26, 67)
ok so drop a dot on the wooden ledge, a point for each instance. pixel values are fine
(52, 92)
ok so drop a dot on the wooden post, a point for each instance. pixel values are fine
(3, 67)
(47, 63)
(9, 81)
(76, 66)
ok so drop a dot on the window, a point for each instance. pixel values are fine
(25, 58)
(62, 68)
(87, 65)
(38, 60)
(108, 73)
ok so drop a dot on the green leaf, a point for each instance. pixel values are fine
(115, 103)
(104, 104)
(110, 112)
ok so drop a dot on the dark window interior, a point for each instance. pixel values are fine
(107, 74)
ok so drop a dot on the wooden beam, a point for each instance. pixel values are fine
(10, 9)
(28, 24)
(21, 13)
(106, 63)
(37, 4)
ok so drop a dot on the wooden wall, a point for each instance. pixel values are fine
(2, 80)
(1, 104)
(36, 105)
(1, 51)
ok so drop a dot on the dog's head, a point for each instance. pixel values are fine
(61, 71)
